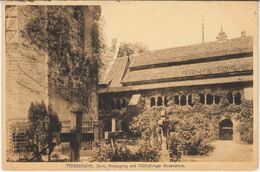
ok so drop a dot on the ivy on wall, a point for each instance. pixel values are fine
(59, 31)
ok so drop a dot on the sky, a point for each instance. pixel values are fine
(169, 24)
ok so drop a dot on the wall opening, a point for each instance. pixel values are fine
(176, 100)
(202, 99)
(209, 99)
(152, 101)
(226, 130)
(183, 100)
(159, 101)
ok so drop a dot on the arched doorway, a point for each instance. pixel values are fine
(226, 130)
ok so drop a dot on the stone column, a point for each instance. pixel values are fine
(113, 128)
(214, 99)
(76, 138)
(205, 99)
(179, 97)
(233, 98)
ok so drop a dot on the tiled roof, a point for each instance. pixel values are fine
(115, 75)
(189, 70)
(209, 81)
(192, 52)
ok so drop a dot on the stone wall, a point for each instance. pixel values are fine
(25, 66)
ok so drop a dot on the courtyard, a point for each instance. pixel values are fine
(225, 151)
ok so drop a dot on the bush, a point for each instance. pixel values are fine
(191, 134)
(246, 122)
(121, 153)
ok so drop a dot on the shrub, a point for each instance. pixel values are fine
(191, 134)
(246, 122)
(145, 152)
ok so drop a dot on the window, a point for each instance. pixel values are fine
(183, 100)
(152, 101)
(230, 98)
(190, 100)
(20, 142)
(202, 99)
(118, 104)
(217, 99)
(165, 101)
(112, 104)
(123, 103)
(209, 99)
(237, 98)
(159, 101)
(176, 100)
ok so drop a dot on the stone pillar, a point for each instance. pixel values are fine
(233, 98)
(113, 128)
(187, 99)
(76, 138)
(214, 99)
(162, 100)
(179, 97)
(205, 99)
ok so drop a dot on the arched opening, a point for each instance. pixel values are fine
(183, 100)
(226, 130)
(176, 100)
(118, 104)
(159, 101)
(165, 101)
(217, 99)
(124, 104)
(152, 101)
(190, 100)
(230, 98)
(238, 98)
(112, 104)
(209, 99)
(202, 99)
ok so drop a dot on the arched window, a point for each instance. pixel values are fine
(209, 99)
(183, 100)
(202, 99)
(190, 100)
(230, 98)
(176, 100)
(165, 101)
(112, 104)
(217, 99)
(159, 101)
(152, 101)
(238, 98)
(118, 104)
(124, 104)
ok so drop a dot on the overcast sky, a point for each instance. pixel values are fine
(170, 24)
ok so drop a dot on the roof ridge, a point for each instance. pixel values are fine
(190, 45)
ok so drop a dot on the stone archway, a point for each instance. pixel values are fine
(226, 129)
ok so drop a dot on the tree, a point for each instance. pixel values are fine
(42, 123)
(126, 49)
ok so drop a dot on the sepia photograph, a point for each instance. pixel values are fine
(130, 85)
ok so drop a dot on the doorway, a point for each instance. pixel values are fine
(226, 130)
